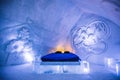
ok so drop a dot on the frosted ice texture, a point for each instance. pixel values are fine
(89, 37)
(53, 23)
(81, 67)
(16, 43)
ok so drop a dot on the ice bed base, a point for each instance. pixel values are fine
(81, 67)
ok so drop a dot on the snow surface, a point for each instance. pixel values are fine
(25, 72)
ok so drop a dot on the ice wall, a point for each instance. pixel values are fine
(36, 26)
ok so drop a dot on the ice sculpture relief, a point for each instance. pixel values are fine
(90, 38)
(19, 48)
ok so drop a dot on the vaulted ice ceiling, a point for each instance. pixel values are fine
(33, 27)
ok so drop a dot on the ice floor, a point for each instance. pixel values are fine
(25, 72)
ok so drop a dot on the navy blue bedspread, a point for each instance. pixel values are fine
(60, 57)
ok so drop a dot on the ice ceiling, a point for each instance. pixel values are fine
(33, 27)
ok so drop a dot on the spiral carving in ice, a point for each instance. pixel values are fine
(91, 38)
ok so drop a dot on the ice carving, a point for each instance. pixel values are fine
(24, 33)
(91, 37)
(18, 49)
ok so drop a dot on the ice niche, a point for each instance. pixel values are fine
(17, 44)
(89, 35)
